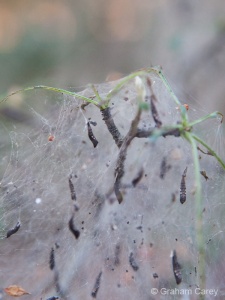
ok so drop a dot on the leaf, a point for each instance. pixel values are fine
(15, 291)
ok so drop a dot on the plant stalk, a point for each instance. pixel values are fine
(198, 215)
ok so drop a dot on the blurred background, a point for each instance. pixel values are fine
(67, 43)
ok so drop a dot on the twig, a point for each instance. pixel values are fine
(119, 170)
(142, 133)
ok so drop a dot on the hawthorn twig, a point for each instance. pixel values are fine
(119, 170)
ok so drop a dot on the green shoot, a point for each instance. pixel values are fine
(209, 116)
(57, 90)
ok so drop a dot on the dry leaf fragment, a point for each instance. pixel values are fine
(15, 291)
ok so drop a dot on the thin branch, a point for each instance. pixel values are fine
(119, 170)
(142, 133)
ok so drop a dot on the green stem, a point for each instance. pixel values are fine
(212, 152)
(96, 93)
(156, 133)
(209, 116)
(183, 110)
(57, 90)
(126, 79)
(198, 214)
(167, 85)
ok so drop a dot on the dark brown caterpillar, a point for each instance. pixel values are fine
(72, 189)
(132, 262)
(96, 286)
(203, 173)
(183, 187)
(91, 135)
(176, 268)
(52, 259)
(155, 115)
(138, 177)
(72, 228)
(164, 168)
(13, 230)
